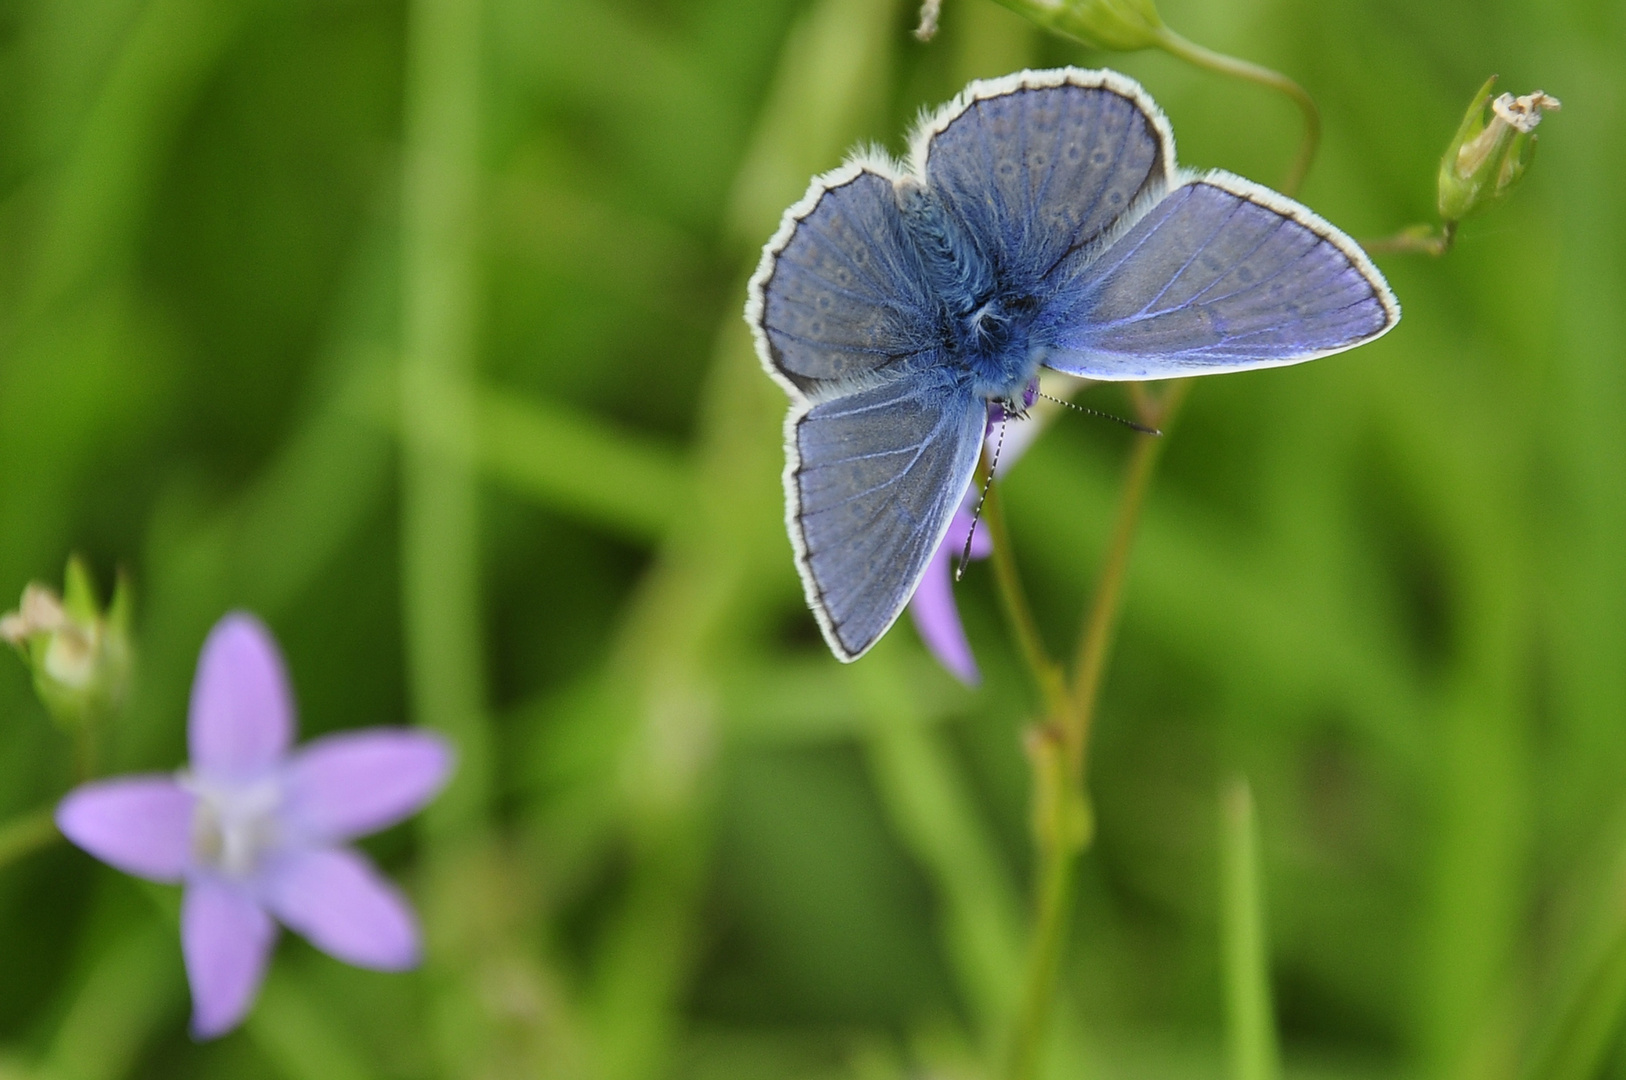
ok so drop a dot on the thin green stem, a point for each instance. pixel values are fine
(86, 754)
(1101, 618)
(1047, 676)
(22, 836)
(1415, 240)
(1062, 828)
(1062, 820)
(1250, 1016)
(1192, 53)
(439, 514)
(1054, 903)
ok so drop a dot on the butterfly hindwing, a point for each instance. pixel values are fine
(838, 295)
(872, 482)
(1038, 164)
(1219, 275)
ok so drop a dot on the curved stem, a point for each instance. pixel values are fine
(1192, 53)
(1415, 240)
(1018, 612)
(1101, 619)
(1062, 820)
(22, 836)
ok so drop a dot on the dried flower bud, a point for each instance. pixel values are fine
(1488, 157)
(79, 653)
(930, 12)
(1121, 25)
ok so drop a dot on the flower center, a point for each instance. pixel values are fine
(234, 824)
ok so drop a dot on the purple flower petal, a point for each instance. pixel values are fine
(226, 940)
(340, 904)
(348, 785)
(140, 824)
(938, 620)
(242, 716)
(963, 524)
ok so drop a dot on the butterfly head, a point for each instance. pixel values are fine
(992, 343)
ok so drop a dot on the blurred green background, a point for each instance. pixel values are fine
(416, 329)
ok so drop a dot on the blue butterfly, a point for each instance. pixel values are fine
(1041, 221)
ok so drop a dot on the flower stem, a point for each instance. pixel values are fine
(1062, 828)
(22, 836)
(1063, 824)
(1415, 240)
(1101, 618)
(1047, 676)
(85, 752)
(1189, 51)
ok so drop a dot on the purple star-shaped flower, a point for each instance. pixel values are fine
(255, 832)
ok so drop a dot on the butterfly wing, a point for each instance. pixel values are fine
(1220, 275)
(1040, 164)
(872, 480)
(880, 443)
(838, 297)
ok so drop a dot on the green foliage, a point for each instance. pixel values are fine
(1387, 586)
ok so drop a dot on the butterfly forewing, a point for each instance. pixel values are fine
(1220, 275)
(874, 480)
(1038, 165)
(841, 298)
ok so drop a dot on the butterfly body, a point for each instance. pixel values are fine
(984, 312)
(1040, 222)
(989, 344)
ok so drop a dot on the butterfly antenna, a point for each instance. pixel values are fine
(976, 515)
(1130, 424)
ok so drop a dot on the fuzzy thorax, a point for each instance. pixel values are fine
(984, 320)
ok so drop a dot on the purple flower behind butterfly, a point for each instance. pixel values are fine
(257, 833)
(932, 608)
(936, 617)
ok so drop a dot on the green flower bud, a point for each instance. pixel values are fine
(1487, 158)
(1120, 25)
(79, 653)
